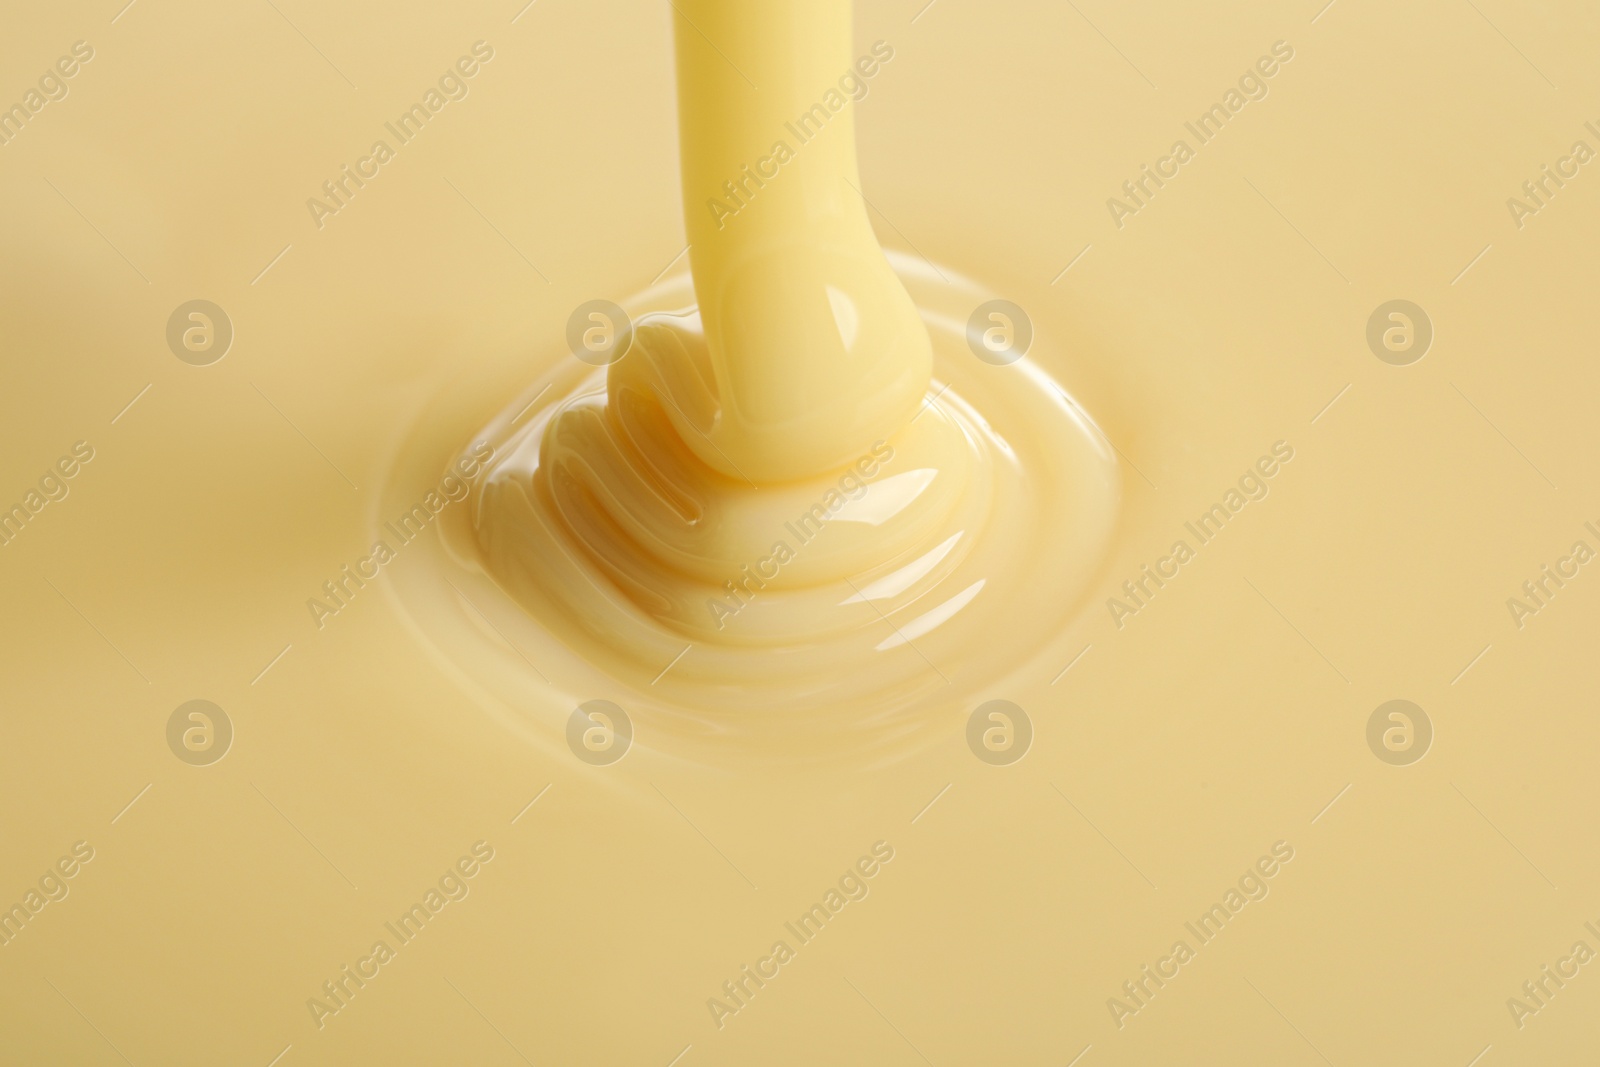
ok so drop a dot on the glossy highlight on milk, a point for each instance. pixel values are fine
(810, 343)
(798, 490)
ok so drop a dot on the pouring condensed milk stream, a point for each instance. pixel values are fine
(799, 484)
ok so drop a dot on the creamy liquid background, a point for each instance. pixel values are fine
(1205, 730)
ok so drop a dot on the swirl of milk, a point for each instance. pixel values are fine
(799, 487)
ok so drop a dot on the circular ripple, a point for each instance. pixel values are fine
(829, 614)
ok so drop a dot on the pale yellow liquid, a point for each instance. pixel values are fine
(1183, 745)
(814, 346)
(794, 507)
